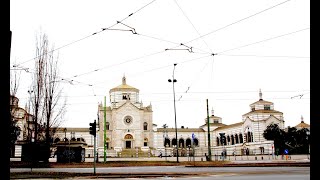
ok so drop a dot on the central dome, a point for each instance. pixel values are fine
(124, 87)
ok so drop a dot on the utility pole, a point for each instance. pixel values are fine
(209, 146)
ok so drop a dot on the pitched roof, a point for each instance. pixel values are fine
(262, 111)
(214, 124)
(229, 126)
(302, 125)
(261, 101)
(180, 129)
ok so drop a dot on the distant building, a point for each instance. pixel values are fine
(24, 121)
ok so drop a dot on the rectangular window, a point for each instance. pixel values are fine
(145, 144)
(266, 107)
(124, 96)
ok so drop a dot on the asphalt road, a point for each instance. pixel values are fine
(173, 172)
(177, 172)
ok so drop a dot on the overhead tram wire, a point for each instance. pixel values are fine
(203, 42)
(180, 43)
(162, 67)
(220, 53)
(201, 36)
(190, 48)
(130, 60)
(208, 92)
(240, 20)
(262, 41)
(134, 59)
(204, 34)
(193, 26)
(174, 47)
(90, 35)
(195, 80)
(251, 55)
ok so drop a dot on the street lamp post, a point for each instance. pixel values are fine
(174, 103)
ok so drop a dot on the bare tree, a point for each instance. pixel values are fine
(38, 82)
(53, 113)
(47, 110)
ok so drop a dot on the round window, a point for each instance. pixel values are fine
(128, 119)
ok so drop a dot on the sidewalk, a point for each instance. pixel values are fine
(235, 159)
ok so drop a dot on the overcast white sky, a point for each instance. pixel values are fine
(261, 44)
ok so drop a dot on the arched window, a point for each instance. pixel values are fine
(128, 136)
(232, 139)
(196, 142)
(228, 139)
(107, 126)
(73, 139)
(145, 126)
(145, 142)
(167, 142)
(181, 143)
(218, 141)
(237, 138)
(249, 135)
(188, 143)
(174, 141)
(241, 138)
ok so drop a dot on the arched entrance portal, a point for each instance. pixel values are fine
(128, 138)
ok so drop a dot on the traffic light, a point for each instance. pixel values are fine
(92, 128)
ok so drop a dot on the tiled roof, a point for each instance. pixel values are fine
(262, 111)
(261, 101)
(214, 124)
(230, 126)
(302, 125)
(180, 129)
(72, 129)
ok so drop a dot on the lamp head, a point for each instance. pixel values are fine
(175, 64)
(169, 80)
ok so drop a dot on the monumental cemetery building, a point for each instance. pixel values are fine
(126, 129)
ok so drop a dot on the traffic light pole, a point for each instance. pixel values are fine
(94, 150)
(92, 131)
